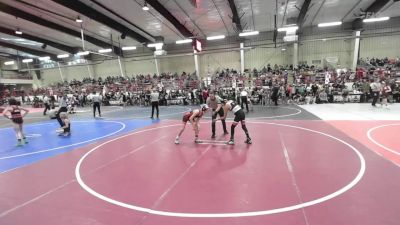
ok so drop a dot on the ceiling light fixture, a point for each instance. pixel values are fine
(184, 41)
(79, 20)
(105, 50)
(284, 29)
(45, 58)
(18, 31)
(216, 37)
(82, 53)
(378, 19)
(63, 56)
(331, 24)
(8, 63)
(145, 7)
(155, 45)
(283, 49)
(128, 48)
(27, 60)
(250, 33)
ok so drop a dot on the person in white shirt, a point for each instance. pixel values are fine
(376, 88)
(63, 108)
(154, 97)
(46, 102)
(243, 98)
(96, 99)
(160, 86)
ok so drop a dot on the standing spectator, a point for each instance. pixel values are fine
(147, 98)
(330, 93)
(243, 97)
(365, 91)
(275, 94)
(282, 93)
(199, 97)
(80, 99)
(205, 95)
(96, 99)
(63, 108)
(155, 96)
(23, 98)
(375, 88)
(124, 98)
(192, 97)
(268, 96)
(46, 102)
(260, 96)
(386, 90)
(52, 101)
(314, 89)
(264, 97)
(345, 94)
(289, 93)
(396, 92)
(164, 98)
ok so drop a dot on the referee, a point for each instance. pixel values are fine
(46, 103)
(154, 97)
(375, 88)
(243, 98)
(215, 103)
(63, 108)
(96, 99)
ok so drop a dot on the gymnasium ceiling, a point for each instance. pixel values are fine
(49, 26)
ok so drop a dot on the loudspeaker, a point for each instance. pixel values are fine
(123, 35)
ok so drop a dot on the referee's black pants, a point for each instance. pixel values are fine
(375, 97)
(214, 116)
(60, 110)
(154, 105)
(96, 105)
(46, 107)
(244, 100)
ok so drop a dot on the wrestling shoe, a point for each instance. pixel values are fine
(231, 142)
(19, 143)
(248, 141)
(177, 141)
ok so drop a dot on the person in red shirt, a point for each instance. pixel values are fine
(193, 117)
(205, 95)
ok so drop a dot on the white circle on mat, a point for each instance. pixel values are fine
(223, 215)
(379, 144)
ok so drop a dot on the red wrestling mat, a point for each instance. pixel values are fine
(379, 136)
(295, 172)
